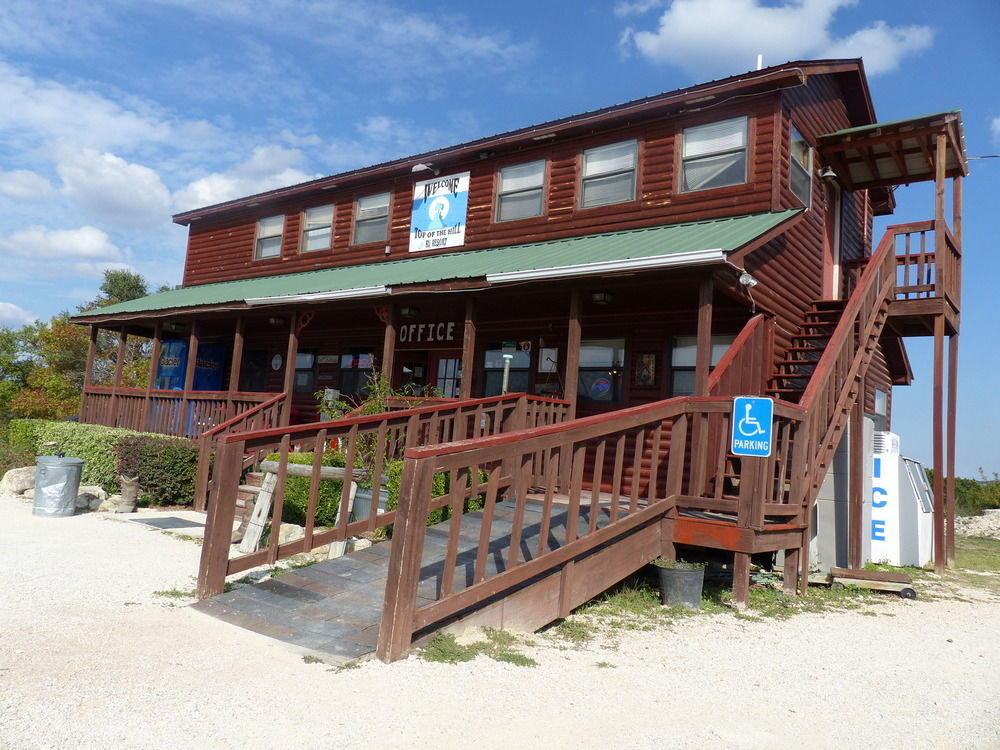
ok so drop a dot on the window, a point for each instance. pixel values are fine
(317, 225)
(269, 232)
(601, 363)
(683, 360)
(800, 171)
(305, 372)
(714, 155)
(881, 415)
(520, 193)
(493, 367)
(371, 219)
(608, 174)
(355, 371)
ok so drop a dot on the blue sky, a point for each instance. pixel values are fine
(119, 113)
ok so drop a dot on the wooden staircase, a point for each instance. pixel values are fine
(792, 372)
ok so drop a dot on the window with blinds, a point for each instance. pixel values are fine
(317, 227)
(520, 192)
(269, 233)
(608, 174)
(371, 219)
(714, 155)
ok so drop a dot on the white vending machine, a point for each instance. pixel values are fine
(901, 506)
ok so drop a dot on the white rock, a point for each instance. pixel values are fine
(97, 502)
(88, 494)
(28, 494)
(289, 532)
(16, 481)
(109, 505)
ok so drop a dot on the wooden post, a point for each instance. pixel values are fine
(703, 356)
(573, 353)
(389, 345)
(219, 521)
(192, 360)
(855, 483)
(952, 416)
(468, 349)
(290, 354)
(235, 365)
(942, 281)
(154, 360)
(956, 209)
(112, 420)
(88, 376)
(938, 432)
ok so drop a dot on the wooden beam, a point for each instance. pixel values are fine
(952, 417)
(573, 339)
(192, 363)
(112, 419)
(290, 353)
(855, 483)
(88, 370)
(703, 355)
(389, 344)
(235, 364)
(154, 361)
(938, 435)
(956, 210)
(468, 349)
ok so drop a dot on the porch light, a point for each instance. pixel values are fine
(747, 280)
(602, 297)
(828, 174)
(422, 167)
(276, 321)
(409, 312)
(174, 327)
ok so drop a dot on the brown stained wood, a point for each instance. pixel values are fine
(486, 525)
(637, 451)
(573, 339)
(454, 529)
(576, 469)
(219, 522)
(236, 363)
(154, 360)
(619, 469)
(595, 486)
(551, 473)
(468, 349)
(675, 458)
(319, 448)
(950, 442)
(520, 499)
(381, 450)
(741, 578)
(855, 483)
(291, 352)
(937, 431)
(703, 353)
(279, 501)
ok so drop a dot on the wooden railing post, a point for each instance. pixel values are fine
(219, 522)
(154, 361)
(205, 444)
(396, 629)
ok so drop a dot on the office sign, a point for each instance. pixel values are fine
(753, 426)
(439, 209)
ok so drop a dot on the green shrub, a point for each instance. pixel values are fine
(441, 485)
(22, 435)
(12, 456)
(91, 442)
(166, 466)
(297, 491)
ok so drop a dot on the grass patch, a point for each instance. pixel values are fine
(310, 659)
(500, 645)
(977, 564)
(175, 593)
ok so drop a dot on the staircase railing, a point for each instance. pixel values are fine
(261, 417)
(365, 443)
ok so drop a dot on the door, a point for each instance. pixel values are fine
(445, 372)
(831, 244)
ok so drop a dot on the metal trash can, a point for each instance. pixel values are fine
(57, 482)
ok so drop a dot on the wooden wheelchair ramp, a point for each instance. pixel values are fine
(335, 607)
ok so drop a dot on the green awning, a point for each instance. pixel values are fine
(687, 244)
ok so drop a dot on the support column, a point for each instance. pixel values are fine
(88, 380)
(389, 344)
(856, 484)
(468, 349)
(290, 354)
(938, 431)
(952, 417)
(703, 355)
(573, 352)
(112, 420)
(184, 418)
(235, 366)
(154, 359)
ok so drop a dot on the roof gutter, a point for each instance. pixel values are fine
(691, 258)
(356, 293)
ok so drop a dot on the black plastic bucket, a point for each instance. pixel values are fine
(681, 586)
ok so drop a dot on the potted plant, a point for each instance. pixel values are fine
(680, 582)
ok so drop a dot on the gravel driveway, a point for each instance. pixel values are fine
(91, 658)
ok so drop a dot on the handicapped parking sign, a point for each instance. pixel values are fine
(753, 423)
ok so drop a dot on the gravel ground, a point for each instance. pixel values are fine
(90, 658)
(985, 525)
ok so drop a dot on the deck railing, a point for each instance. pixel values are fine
(366, 443)
(928, 264)
(166, 412)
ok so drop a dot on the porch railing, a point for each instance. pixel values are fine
(929, 262)
(366, 443)
(166, 412)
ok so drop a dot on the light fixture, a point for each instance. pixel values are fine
(486, 154)
(747, 280)
(602, 297)
(828, 174)
(174, 327)
(409, 312)
(543, 137)
(275, 321)
(422, 167)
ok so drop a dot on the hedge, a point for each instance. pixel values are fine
(441, 484)
(166, 466)
(297, 491)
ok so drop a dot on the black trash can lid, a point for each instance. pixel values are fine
(58, 461)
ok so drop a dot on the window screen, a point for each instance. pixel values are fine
(609, 174)
(714, 155)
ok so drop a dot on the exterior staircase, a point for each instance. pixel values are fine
(792, 372)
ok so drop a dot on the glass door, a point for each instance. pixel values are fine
(446, 369)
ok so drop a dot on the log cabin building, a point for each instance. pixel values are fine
(597, 289)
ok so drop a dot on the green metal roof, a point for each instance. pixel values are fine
(892, 123)
(585, 255)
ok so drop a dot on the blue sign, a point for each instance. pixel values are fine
(440, 206)
(753, 426)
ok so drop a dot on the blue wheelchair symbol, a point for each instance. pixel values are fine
(753, 419)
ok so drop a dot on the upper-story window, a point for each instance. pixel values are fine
(269, 233)
(521, 191)
(371, 219)
(609, 174)
(317, 225)
(714, 155)
(800, 172)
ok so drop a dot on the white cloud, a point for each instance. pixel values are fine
(12, 316)
(714, 37)
(24, 185)
(129, 195)
(269, 167)
(636, 8)
(41, 254)
(995, 129)
(33, 26)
